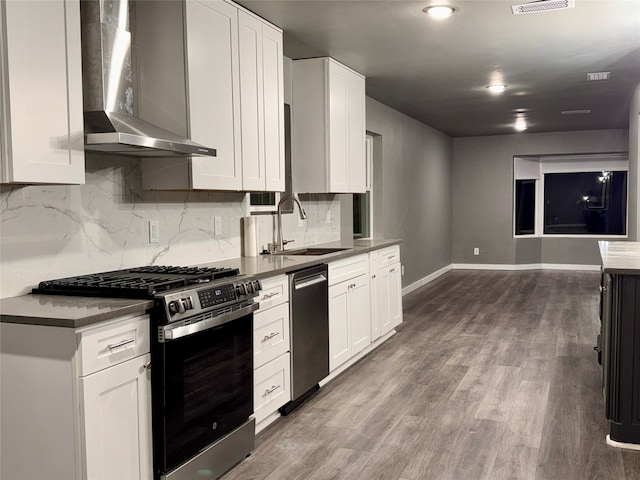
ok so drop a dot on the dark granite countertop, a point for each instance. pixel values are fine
(75, 312)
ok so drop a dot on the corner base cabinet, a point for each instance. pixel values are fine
(620, 347)
(76, 403)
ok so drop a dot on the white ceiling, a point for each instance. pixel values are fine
(436, 71)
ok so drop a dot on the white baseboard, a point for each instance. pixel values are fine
(525, 266)
(629, 446)
(429, 278)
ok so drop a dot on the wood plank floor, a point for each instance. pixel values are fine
(492, 375)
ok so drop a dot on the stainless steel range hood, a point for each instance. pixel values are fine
(109, 94)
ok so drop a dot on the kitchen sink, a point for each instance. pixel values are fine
(310, 251)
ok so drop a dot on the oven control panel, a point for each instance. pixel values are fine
(184, 303)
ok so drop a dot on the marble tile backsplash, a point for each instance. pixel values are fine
(56, 231)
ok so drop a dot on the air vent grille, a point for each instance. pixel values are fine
(542, 6)
(575, 112)
(591, 77)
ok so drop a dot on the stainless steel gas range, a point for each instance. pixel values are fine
(201, 361)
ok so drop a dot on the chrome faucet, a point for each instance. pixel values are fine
(280, 242)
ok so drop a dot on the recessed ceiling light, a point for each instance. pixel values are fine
(439, 11)
(520, 125)
(496, 88)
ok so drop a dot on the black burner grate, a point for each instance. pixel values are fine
(140, 282)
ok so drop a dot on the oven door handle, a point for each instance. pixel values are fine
(173, 332)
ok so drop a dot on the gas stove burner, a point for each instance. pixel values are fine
(140, 282)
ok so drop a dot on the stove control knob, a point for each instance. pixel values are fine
(173, 307)
(241, 290)
(188, 303)
(257, 286)
(249, 287)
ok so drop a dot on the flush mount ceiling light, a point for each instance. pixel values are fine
(520, 125)
(496, 88)
(439, 11)
(542, 6)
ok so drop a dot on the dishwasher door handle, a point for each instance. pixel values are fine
(307, 282)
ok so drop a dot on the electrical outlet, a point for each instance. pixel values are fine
(154, 231)
(328, 220)
(217, 226)
(402, 270)
(476, 251)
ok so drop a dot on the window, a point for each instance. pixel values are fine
(362, 202)
(583, 195)
(525, 207)
(585, 203)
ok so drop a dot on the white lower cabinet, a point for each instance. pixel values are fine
(386, 291)
(349, 310)
(117, 421)
(76, 403)
(271, 347)
(272, 387)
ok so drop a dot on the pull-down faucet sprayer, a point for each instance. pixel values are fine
(280, 242)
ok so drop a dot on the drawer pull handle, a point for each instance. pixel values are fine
(269, 295)
(269, 337)
(121, 344)
(390, 257)
(602, 289)
(271, 390)
(392, 270)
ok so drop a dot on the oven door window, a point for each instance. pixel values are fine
(207, 387)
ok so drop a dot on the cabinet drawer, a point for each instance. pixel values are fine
(104, 346)
(388, 256)
(348, 268)
(272, 384)
(270, 334)
(275, 290)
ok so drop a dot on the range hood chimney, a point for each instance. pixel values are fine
(109, 94)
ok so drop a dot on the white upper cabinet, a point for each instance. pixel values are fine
(200, 37)
(262, 104)
(233, 92)
(41, 131)
(328, 128)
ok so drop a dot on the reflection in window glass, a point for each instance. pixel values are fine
(525, 207)
(585, 203)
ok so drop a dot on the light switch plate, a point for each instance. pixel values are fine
(217, 225)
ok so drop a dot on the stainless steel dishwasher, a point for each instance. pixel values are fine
(309, 332)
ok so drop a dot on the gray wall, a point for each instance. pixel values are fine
(482, 196)
(416, 189)
(634, 165)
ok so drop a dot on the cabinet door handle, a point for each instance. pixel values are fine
(121, 344)
(147, 366)
(602, 289)
(271, 390)
(269, 337)
(392, 270)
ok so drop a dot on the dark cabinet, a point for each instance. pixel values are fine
(620, 344)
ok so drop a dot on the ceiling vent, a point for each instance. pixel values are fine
(592, 77)
(542, 6)
(575, 112)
